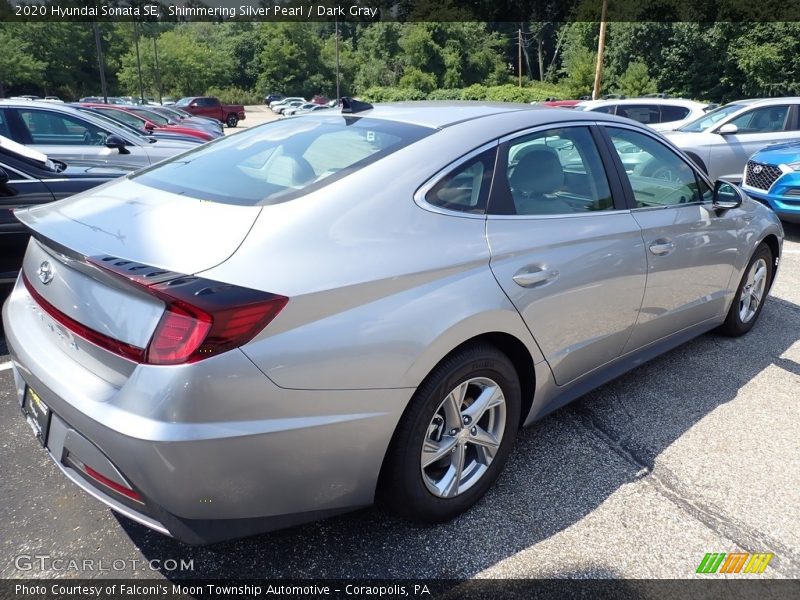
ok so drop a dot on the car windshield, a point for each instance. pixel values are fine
(150, 115)
(130, 129)
(281, 160)
(183, 102)
(710, 119)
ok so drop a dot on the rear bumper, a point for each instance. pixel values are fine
(214, 449)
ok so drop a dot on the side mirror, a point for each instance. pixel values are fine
(149, 126)
(3, 177)
(727, 195)
(728, 129)
(193, 105)
(114, 141)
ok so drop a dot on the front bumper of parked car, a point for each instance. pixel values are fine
(783, 196)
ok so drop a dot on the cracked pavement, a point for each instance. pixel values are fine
(696, 451)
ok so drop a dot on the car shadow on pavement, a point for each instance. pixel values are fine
(561, 470)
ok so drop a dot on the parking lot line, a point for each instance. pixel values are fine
(5, 366)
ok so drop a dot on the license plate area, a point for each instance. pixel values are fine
(37, 414)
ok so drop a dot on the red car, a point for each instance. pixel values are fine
(208, 106)
(560, 103)
(125, 114)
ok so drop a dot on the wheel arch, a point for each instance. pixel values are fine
(771, 240)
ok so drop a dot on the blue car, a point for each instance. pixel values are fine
(772, 176)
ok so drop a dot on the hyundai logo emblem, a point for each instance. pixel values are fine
(757, 169)
(45, 272)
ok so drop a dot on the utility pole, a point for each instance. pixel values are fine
(100, 62)
(519, 57)
(158, 69)
(601, 47)
(338, 93)
(138, 60)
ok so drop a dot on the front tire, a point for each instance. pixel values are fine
(750, 295)
(454, 438)
(232, 121)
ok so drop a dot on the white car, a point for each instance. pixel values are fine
(279, 103)
(661, 114)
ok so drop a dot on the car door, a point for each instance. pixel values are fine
(68, 137)
(756, 128)
(564, 248)
(19, 190)
(691, 248)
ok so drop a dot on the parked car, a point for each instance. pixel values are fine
(184, 118)
(722, 140)
(772, 176)
(661, 114)
(63, 132)
(277, 104)
(390, 293)
(149, 122)
(282, 108)
(320, 99)
(136, 127)
(299, 108)
(559, 103)
(52, 99)
(29, 178)
(208, 106)
(270, 98)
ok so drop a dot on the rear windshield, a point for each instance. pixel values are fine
(281, 160)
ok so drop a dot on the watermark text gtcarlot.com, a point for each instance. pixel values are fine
(46, 562)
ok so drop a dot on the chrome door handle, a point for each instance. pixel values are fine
(533, 276)
(662, 247)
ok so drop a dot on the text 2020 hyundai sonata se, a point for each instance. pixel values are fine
(360, 304)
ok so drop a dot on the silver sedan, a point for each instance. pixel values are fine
(363, 304)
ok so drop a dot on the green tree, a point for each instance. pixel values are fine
(17, 66)
(291, 61)
(636, 80)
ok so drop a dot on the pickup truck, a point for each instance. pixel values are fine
(208, 106)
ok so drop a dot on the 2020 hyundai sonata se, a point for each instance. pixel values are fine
(361, 304)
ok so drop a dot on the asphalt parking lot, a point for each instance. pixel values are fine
(697, 451)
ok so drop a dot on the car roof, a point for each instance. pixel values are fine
(440, 114)
(768, 101)
(657, 101)
(444, 114)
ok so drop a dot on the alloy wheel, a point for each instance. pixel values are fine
(463, 437)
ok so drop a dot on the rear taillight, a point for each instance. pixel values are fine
(201, 318)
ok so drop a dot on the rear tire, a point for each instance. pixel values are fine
(232, 121)
(750, 295)
(462, 422)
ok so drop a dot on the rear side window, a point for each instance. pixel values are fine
(673, 113)
(466, 188)
(282, 160)
(609, 110)
(552, 172)
(643, 113)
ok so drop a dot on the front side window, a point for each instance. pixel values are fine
(657, 175)
(282, 160)
(466, 188)
(47, 127)
(762, 120)
(557, 171)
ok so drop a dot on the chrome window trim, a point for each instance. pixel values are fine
(25, 178)
(558, 125)
(421, 193)
(679, 153)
